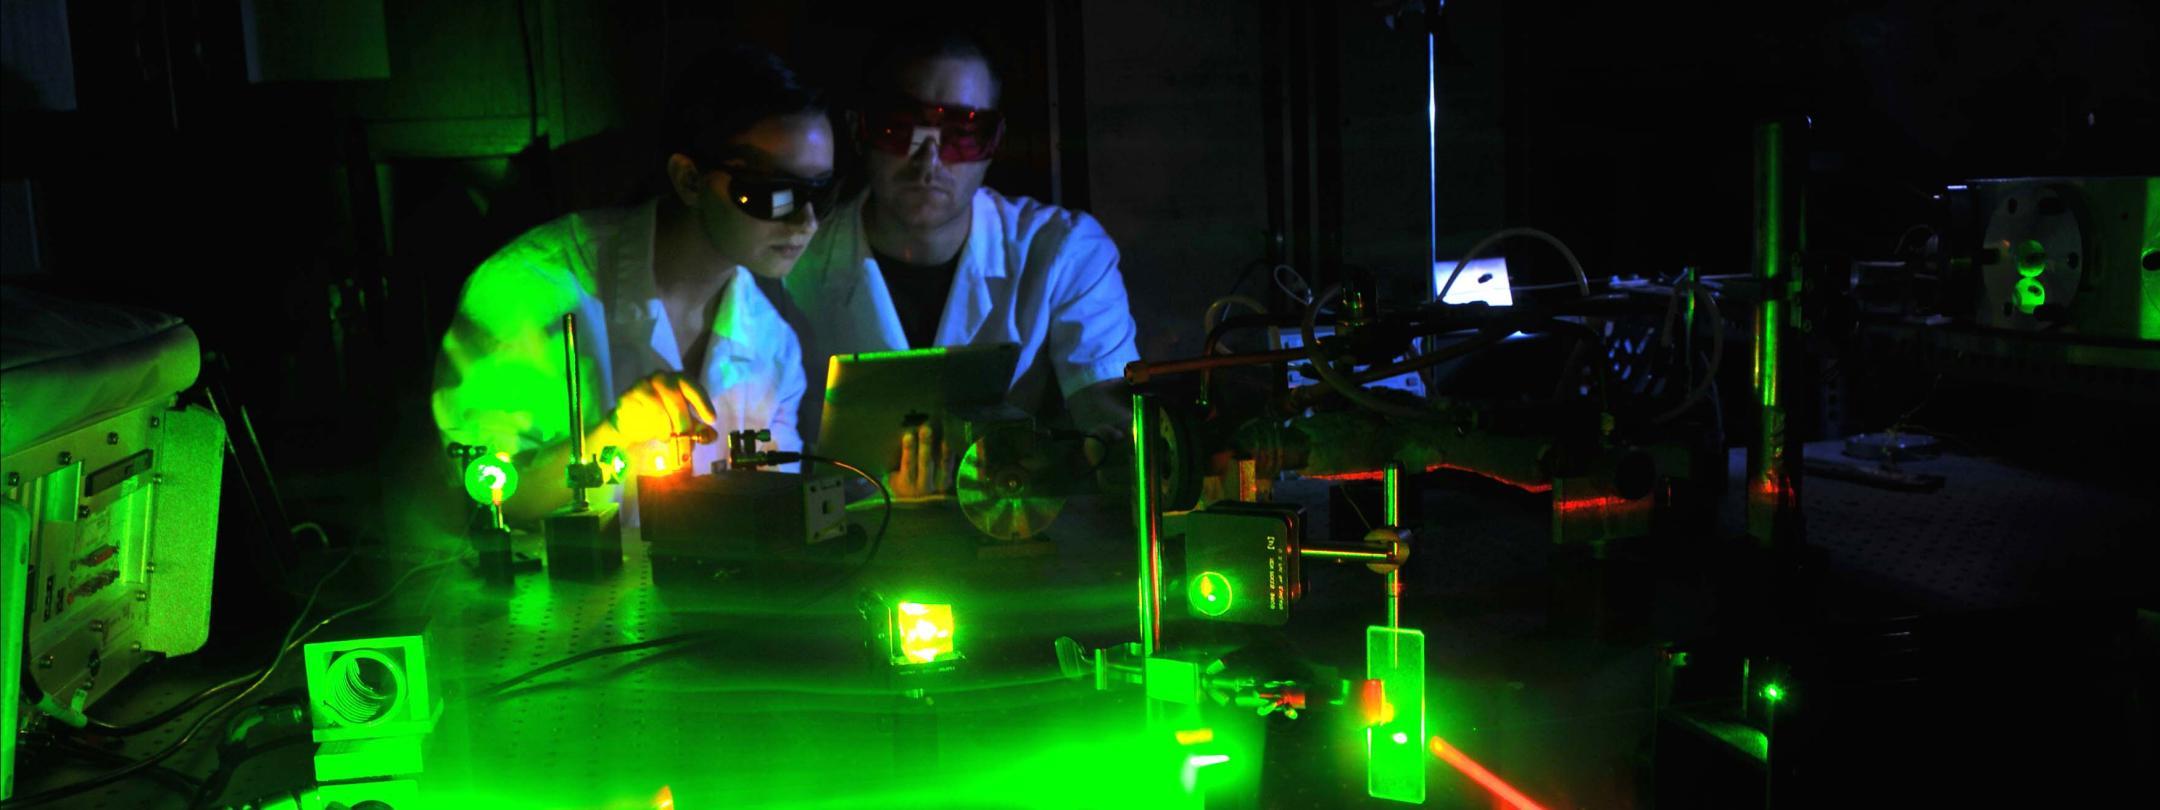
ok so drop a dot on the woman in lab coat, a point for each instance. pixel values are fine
(674, 337)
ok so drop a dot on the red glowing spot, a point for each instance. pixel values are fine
(1506, 793)
(1372, 703)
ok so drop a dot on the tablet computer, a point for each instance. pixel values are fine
(871, 397)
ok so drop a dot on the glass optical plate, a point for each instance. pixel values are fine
(1395, 747)
(1001, 483)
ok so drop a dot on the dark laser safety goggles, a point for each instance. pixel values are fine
(774, 197)
(964, 135)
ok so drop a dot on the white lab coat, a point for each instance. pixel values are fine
(500, 379)
(1032, 274)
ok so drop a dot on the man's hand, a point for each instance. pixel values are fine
(660, 406)
(1104, 411)
(926, 463)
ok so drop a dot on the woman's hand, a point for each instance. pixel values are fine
(661, 406)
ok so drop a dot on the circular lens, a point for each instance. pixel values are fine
(365, 687)
(488, 475)
(1210, 594)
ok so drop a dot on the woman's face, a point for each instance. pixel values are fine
(781, 148)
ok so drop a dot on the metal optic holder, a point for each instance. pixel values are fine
(707, 533)
(1261, 545)
(489, 479)
(584, 539)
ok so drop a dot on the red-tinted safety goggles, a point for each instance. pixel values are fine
(963, 135)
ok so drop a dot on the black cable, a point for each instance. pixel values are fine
(497, 691)
(1325, 367)
(233, 753)
(178, 710)
(1235, 323)
(1245, 274)
(293, 637)
(875, 541)
(680, 641)
(229, 767)
(61, 746)
(151, 761)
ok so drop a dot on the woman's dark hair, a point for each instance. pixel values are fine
(724, 93)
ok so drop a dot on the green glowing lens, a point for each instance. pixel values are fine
(1209, 594)
(487, 476)
(2031, 258)
(2031, 261)
(1773, 693)
(615, 461)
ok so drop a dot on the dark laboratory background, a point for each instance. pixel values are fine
(307, 186)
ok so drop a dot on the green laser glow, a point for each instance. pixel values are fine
(2031, 262)
(1146, 525)
(490, 480)
(1189, 776)
(1210, 594)
(1396, 658)
(933, 351)
(1773, 693)
(923, 632)
(615, 460)
(2149, 258)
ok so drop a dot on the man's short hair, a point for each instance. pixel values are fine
(897, 49)
(727, 91)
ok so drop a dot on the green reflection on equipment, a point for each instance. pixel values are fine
(924, 633)
(933, 351)
(2031, 262)
(1210, 594)
(2148, 260)
(1396, 658)
(490, 480)
(615, 462)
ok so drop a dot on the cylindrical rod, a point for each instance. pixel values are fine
(1773, 495)
(1147, 524)
(1391, 489)
(1352, 554)
(577, 405)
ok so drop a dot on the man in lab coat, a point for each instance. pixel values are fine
(674, 336)
(928, 257)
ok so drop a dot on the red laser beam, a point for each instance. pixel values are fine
(1588, 504)
(1477, 773)
(1376, 475)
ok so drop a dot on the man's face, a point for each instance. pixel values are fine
(921, 191)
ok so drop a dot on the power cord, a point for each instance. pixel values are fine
(294, 636)
(501, 689)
